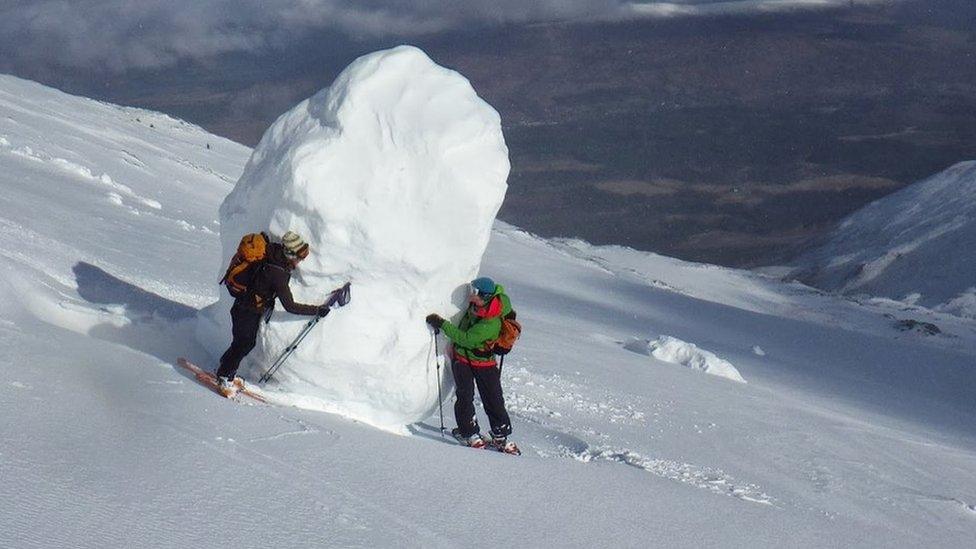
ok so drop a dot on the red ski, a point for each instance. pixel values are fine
(209, 380)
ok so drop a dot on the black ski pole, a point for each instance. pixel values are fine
(440, 399)
(339, 297)
(288, 350)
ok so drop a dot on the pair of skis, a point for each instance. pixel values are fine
(488, 443)
(425, 430)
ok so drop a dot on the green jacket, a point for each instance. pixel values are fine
(478, 327)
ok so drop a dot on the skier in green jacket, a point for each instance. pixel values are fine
(472, 362)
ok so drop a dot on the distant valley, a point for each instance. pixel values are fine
(732, 140)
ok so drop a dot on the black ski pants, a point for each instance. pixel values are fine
(489, 381)
(245, 331)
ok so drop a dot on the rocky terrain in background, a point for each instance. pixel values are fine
(732, 140)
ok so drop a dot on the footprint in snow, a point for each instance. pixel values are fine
(713, 480)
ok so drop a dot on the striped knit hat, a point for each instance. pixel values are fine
(294, 245)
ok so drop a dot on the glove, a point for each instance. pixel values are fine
(323, 310)
(435, 321)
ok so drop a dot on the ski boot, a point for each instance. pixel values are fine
(473, 441)
(229, 387)
(501, 443)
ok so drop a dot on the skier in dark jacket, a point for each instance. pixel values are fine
(472, 362)
(269, 281)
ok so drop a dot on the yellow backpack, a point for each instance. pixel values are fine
(250, 255)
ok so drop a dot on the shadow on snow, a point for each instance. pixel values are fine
(152, 324)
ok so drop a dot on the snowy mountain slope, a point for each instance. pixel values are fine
(849, 432)
(914, 245)
(133, 173)
(765, 294)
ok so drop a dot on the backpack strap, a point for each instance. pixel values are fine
(251, 296)
(255, 299)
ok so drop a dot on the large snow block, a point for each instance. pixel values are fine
(394, 175)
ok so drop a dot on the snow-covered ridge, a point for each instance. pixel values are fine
(916, 245)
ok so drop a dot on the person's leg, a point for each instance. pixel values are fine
(490, 388)
(464, 414)
(245, 331)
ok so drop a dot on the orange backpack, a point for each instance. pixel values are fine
(251, 253)
(509, 334)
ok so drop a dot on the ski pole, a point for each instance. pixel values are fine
(288, 350)
(340, 297)
(440, 399)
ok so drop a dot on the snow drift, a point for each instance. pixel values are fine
(913, 245)
(393, 175)
(673, 350)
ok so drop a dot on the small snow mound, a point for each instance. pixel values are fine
(758, 351)
(675, 351)
(393, 175)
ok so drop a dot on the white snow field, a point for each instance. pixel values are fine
(394, 174)
(849, 433)
(915, 245)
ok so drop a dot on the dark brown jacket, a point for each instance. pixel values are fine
(272, 280)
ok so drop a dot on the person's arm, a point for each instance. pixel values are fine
(279, 281)
(475, 336)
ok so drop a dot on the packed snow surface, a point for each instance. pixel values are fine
(673, 350)
(851, 431)
(914, 245)
(394, 175)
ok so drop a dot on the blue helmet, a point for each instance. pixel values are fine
(484, 286)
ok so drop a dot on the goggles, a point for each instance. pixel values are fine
(475, 291)
(300, 253)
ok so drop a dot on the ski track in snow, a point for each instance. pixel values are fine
(203, 169)
(945, 504)
(116, 191)
(536, 393)
(133, 160)
(714, 480)
(699, 477)
(304, 430)
(533, 397)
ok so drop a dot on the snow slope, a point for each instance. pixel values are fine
(914, 245)
(849, 432)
